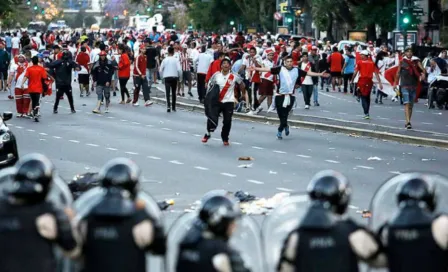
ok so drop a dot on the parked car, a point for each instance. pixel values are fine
(9, 153)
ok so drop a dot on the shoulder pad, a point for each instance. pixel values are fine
(318, 218)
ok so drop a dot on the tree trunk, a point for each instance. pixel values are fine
(330, 27)
(383, 35)
(371, 32)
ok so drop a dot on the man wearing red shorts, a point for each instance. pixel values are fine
(366, 69)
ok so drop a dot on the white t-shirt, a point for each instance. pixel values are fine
(249, 61)
(308, 80)
(222, 80)
(93, 54)
(267, 75)
(15, 42)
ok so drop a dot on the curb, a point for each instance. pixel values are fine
(326, 127)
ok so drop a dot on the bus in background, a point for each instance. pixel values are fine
(37, 26)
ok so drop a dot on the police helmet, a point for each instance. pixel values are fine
(120, 173)
(417, 188)
(217, 213)
(33, 177)
(330, 187)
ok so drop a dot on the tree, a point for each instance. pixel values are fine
(214, 15)
(8, 6)
(260, 11)
(89, 20)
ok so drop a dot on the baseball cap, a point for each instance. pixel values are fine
(364, 52)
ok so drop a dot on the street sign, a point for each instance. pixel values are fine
(399, 39)
(283, 7)
(278, 16)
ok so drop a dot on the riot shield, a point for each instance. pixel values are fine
(384, 202)
(92, 197)
(277, 226)
(245, 240)
(6, 179)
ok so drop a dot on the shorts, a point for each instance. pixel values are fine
(408, 95)
(103, 91)
(83, 79)
(336, 74)
(3, 74)
(266, 87)
(186, 76)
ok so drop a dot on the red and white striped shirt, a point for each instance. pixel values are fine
(226, 84)
(185, 61)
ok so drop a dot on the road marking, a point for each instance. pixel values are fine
(136, 123)
(424, 123)
(44, 134)
(395, 172)
(257, 147)
(201, 168)
(303, 156)
(331, 161)
(278, 151)
(123, 120)
(236, 143)
(110, 117)
(113, 149)
(131, 153)
(74, 141)
(18, 127)
(217, 140)
(365, 167)
(153, 157)
(419, 111)
(255, 181)
(183, 132)
(342, 113)
(176, 162)
(284, 189)
(56, 137)
(168, 129)
(42, 139)
(94, 145)
(228, 175)
(353, 207)
(325, 111)
(382, 118)
(149, 125)
(197, 135)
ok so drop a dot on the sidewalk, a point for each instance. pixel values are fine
(340, 112)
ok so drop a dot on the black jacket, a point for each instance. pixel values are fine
(62, 71)
(102, 72)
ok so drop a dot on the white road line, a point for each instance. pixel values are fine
(56, 137)
(197, 135)
(110, 117)
(279, 152)
(136, 123)
(44, 134)
(303, 156)
(236, 143)
(365, 167)
(123, 120)
(419, 111)
(228, 175)
(382, 118)
(353, 207)
(424, 123)
(131, 153)
(149, 125)
(153, 157)
(331, 161)
(74, 141)
(18, 127)
(216, 140)
(395, 172)
(342, 113)
(201, 168)
(255, 181)
(113, 149)
(42, 139)
(257, 147)
(183, 132)
(325, 111)
(284, 189)
(30, 130)
(176, 162)
(94, 145)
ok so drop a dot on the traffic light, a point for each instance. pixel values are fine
(42, 11)
(28, 3)
(406, 20)
(137, 13)
(116, 18)
(148, 9)
(232, 23)
(289, 19)
(174, 25)
(35, 6)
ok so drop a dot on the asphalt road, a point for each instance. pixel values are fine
(340, 106)
(176, 165)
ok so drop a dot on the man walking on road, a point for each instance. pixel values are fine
(336, 62)
(409, 76)
(102, 72)
(35, 75)
(171, 72)
(63, 75)
(366, 68)
(203, 63)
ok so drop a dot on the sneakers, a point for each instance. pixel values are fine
(148, 103)
(73, 111)
(135, 104)
(106, 110)
(128, 101)
(168, 110)
(287, 131)
(205, 138)
(97, 111)
(408, 126)
(190, 94)
(55, 111)
(307, 107)
(367, 117)
(316, 104)
(279, 135)
(225, 143)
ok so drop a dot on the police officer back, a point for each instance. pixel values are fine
(416, 237)
(117, 231)
(205, 247)
(29, 224)
(324, 240)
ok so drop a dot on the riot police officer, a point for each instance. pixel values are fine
(116, 226)
(324, 239)
(205, 247)
(415, 234)
(30, 225)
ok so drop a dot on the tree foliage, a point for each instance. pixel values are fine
(8, 6)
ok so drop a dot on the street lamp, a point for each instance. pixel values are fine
(232, 23)
(148, 9)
